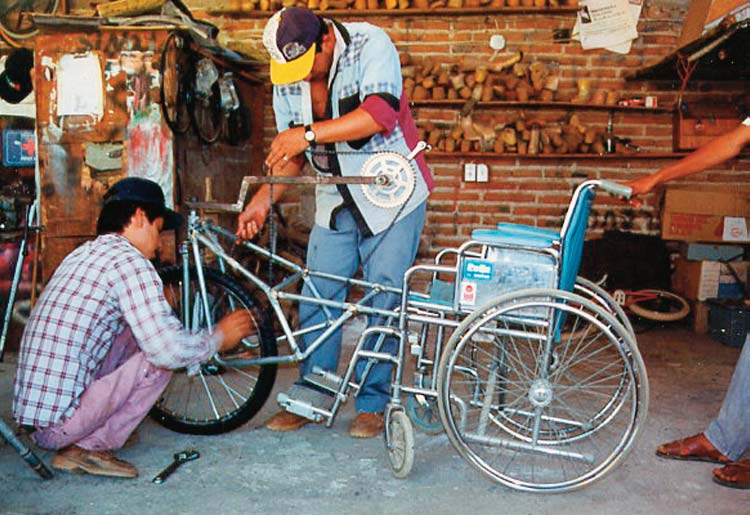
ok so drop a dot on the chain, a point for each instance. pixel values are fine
(381, 235)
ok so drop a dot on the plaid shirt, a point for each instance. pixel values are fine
(97, 291)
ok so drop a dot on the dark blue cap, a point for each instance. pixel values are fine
(139, 190)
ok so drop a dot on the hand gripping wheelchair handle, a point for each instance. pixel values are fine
(616, 189)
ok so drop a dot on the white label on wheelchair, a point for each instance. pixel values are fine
(477, 270)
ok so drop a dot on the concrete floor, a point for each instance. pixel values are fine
(317, 470)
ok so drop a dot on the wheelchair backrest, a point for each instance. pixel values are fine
(573, 233)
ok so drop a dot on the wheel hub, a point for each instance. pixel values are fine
(540, 393)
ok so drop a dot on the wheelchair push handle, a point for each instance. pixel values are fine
(616, 189)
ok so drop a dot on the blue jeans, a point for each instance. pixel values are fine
(730, 431)
(388, 255)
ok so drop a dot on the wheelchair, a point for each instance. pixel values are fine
(533, 372)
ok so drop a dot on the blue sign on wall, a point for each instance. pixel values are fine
(19, 147)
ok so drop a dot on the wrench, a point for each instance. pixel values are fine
(179, 459)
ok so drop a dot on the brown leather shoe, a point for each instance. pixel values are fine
(285, 421)
(101, 463)
(367, 425)
(734, 475)
(692, 448)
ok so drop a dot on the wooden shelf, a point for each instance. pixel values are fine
(547, 157)
(542, 105)
(477, 11)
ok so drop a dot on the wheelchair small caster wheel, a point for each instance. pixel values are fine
(424, 414)
(399, 443)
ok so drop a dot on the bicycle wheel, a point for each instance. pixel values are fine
(221, 396)
(534, 410)
(664, 306)
(599, 295)
(15, 20)
(174, 98)
(206, 114)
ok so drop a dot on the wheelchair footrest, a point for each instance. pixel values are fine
(302, 408)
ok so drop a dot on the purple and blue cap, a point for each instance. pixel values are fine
(290, 37)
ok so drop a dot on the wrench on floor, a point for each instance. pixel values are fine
(179, 459)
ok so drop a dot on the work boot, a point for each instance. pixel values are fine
(101, 463)
(285, 421)
(367, 425)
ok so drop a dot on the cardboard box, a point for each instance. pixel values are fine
(708, 252)
(706, 13)
(701, 280)
(716, 214)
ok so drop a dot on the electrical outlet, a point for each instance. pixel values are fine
(470, 172)
(483, 173)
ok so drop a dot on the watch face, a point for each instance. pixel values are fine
(310, 136)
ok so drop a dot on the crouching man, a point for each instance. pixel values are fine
(96, 352)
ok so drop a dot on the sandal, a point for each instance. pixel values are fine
(734, 475)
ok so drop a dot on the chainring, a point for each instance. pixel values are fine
(398, 180)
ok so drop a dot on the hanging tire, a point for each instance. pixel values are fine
(221, 396)
(176, 72)
(206, 114)
(15, 21)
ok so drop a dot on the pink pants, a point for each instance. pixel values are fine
(110, 409)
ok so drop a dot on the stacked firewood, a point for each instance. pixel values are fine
(272, 5)
(506, 79)
(519, 136)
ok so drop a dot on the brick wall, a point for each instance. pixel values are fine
(527, 190)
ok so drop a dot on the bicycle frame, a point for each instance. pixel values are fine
(204, 234)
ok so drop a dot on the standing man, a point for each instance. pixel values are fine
(338, 99)
(96, 350)
(727, 437)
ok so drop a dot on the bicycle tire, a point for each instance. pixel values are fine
(15, 22)
(206, 115)
(226, 397)
(174, 97)
(590, 290)
(669, 307)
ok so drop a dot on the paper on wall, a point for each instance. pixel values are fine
(605, 24)
(80, 89)
(635, 11)
(735, 229)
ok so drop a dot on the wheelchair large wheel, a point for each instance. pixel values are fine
(537, 408)
(222, 394)
(599, 295)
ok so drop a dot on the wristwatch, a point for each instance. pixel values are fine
(309, 135)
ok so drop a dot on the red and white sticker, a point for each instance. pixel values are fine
(468, 292)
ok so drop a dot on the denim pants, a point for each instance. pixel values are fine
(386, 257)
(730, 431)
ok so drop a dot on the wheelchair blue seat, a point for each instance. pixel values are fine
(504, 236)
(527, 229)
